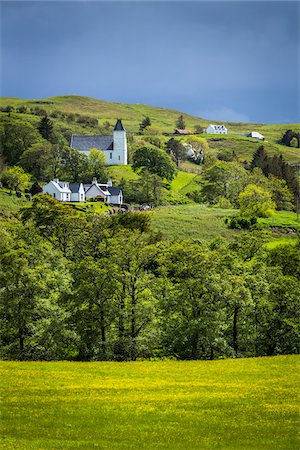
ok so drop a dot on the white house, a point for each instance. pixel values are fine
(110, 194)
(256, 135)
(114, 147)
(216, 129)
(60, 190)
(78, 192)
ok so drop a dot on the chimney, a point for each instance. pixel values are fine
(109, 183)
(94, 180)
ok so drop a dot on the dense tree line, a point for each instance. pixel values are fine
(90, 287)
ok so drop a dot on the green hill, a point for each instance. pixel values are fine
(162, 119)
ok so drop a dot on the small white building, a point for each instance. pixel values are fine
(60, 190)
(216, 129)
(114, 146)
(79, 192)
(256, 135)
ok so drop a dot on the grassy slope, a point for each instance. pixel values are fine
(10, 205)
(231, 404)
(164, 120)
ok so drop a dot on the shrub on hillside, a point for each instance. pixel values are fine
(240, 223)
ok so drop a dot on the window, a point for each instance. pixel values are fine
(119, 158)
(110, 155)
(53, 194)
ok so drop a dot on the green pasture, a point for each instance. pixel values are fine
(192, 222)
(283, 219)
(229, 404)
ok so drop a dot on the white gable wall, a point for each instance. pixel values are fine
(116, 199)
(78, 196)
(52, 190)
(213, 129)
(94, 191)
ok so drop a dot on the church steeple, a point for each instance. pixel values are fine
(119, 153)
(119, 126)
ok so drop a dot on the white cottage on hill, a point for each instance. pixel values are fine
(114, 146)
(79, 192)
(216, 129)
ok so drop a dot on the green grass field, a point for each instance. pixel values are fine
(192, 222)
(230, 404)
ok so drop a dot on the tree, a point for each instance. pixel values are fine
(180, 124)
(223, 180)
(42, 160)
(32, 278)
(156, 161)
(146, 122)
(96, 166)
(74, 166)
(35, 189)
(45, 128)
(15, 178)
(191, 302)
(16, 136)
(93, 306)
(177, 150)
(135, 300)
(260, 159)
(256, 202)
(198, 129)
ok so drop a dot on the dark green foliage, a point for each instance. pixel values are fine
(278, 167)
(240, 223)
(289, 136)
(89, 287)
(180, 124)
(46, 128)
(156, 161)
(146, 122)
(260, 159)
(176, 150)
(16, 136)
(35, 189)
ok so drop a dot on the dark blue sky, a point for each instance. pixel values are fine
(228, 60)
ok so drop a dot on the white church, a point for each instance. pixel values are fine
(114, 147)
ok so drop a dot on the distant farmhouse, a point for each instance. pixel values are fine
(114, 147)
(216, 129)
(183, 132)
(256, 135)
(79, 192)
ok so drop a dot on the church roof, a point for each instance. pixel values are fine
(119, 126)
(84, 142)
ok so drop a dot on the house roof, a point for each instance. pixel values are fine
(119, 126)
(178, 131)
(84, 142)
(102, 189)
(218, 127)
(114, 190)
(74, 187)
(61, 186)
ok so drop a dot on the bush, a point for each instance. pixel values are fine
(240, 223)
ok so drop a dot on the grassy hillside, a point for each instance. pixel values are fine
(232, 404)
(162, 119)
(200, 222)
